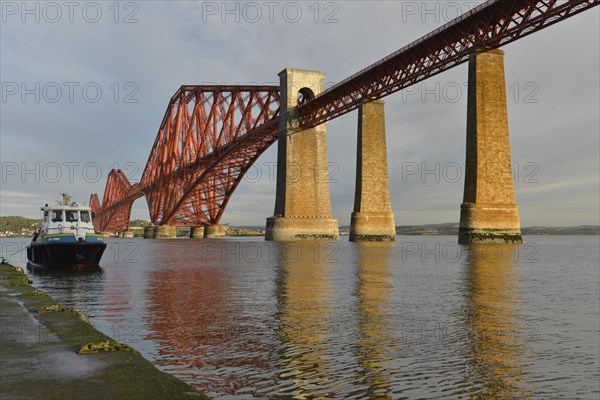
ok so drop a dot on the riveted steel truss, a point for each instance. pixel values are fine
(490, 25)
(211, 135)
(118, 199)
(201, 152)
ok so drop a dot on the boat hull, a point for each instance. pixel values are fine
(65, 254)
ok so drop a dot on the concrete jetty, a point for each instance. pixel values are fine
(48, 351)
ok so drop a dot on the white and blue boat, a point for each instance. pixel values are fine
(67, 237)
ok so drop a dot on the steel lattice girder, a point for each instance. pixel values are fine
(96, 210)
(200, 155)
(490, 25)
(118, 199)
(201, 123)
(198, 124)
(229, 164)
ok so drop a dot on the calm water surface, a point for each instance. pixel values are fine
(420, 318)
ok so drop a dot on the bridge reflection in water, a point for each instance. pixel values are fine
(204, 334)
(300, 324)
(370, 320)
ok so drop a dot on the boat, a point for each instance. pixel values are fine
(67, 237)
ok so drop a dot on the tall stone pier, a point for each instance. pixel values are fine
(302, 204)
(489, 211)
(372, 219)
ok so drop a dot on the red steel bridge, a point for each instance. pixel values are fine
(211, 135)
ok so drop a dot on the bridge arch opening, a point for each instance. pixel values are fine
(305, 95)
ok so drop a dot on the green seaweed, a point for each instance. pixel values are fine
(34, 292)
(374, 238)
(107, 345)
(17, 278)
(316, 236)
(55, 308)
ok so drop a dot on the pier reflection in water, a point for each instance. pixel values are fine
(377, 342)
(247, 319)
(305, 327)
(494, 334)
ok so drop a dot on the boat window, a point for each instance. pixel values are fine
(45, 216)
(72, 216)
(85, 216)
(57, 215)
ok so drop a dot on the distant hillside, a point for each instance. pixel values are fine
(18, 226)
(433, 229)
(573, 230)
(139, 223)
(452, 229)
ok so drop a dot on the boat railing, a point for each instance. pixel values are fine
(68, 229)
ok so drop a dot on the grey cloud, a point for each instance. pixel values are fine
(171, 45)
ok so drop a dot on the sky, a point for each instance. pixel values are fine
(85, 86)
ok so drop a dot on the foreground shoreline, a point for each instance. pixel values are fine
(48, 351)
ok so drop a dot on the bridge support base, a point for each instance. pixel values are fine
(196, 232)
(301, 228)
(148, 232)
(302, 205)
(491, 223)
(372, 227)
(489, 211)
(165, 232)
(372, 219)
(215, 231)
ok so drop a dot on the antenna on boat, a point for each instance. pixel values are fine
(66, 198)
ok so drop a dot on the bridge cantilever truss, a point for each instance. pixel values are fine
(211, 135)
(201, 152)
(119, 196)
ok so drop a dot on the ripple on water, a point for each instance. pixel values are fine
(369, 322)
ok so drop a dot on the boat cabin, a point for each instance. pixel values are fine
(66, 218)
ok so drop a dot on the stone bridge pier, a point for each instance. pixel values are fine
(302, 203)
(489, 211)
(372, 219)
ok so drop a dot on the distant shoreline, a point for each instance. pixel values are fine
(452, 229)
(14, 226)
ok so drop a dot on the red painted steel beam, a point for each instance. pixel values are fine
(492, 24)
(115, 212)
(200, 124)
(255, 143)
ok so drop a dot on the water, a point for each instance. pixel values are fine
(420, 318)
